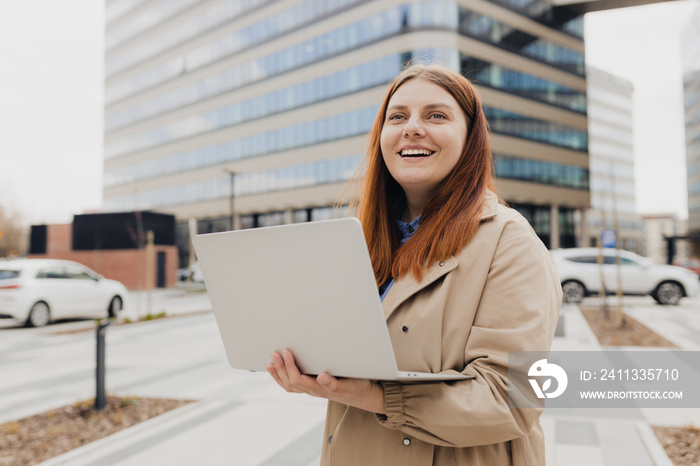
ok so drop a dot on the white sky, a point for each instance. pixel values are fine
(51, 68)
(642, 44)
(51, 82)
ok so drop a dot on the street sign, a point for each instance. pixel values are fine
(608, 238)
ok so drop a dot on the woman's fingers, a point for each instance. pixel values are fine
(286, 373)
(362, 394)
(273, 372)
(280, 372)
(290, 365)
(284, 370)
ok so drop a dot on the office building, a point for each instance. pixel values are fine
(611, 149)
(254, 112)
(690, 40)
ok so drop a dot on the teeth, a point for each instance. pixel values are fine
(410, 152)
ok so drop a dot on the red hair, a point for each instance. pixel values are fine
(453, 212)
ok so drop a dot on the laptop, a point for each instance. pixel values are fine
(308, 287)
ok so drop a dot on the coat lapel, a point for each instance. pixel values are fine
(407, 286)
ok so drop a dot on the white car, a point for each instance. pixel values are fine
(36, 291)
(580, 275)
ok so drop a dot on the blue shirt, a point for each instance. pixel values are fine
(406, 230)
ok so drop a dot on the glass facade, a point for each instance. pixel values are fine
(539, 171)
(144, 20)
(209, 18)
(279, 179)
(691, 101)
(236, 41)
(561, 18)
(489, 30)
(313, 132)
(513, 124)
(523, 84)
(442, 15)
(540, 217)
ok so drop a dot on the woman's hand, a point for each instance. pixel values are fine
(360, 393)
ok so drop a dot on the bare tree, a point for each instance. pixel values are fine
(13, 234)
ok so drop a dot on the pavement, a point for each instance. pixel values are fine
(242, 418)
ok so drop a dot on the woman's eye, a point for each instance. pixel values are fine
(396, 117)
(439, 116)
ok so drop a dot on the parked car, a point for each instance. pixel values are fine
(580, 276)
(36, 291)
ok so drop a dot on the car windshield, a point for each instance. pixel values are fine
(7, 274)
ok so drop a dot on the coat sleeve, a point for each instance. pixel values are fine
(518, 311)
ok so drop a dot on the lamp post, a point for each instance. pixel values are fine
(232, 175)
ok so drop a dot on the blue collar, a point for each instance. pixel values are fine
(406, 230)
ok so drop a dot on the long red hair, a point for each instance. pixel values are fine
(452, 214)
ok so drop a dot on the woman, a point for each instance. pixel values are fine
(464, 280)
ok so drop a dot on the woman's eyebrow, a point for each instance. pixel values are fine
(427, 107)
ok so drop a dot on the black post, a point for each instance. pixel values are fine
(670, 248)
(100, 399)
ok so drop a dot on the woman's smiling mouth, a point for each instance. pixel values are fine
(416, 153)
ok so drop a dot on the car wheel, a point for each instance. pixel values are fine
(114, 306)
(39, 315)
(668, 293)
(573, 291)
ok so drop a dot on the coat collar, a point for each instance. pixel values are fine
(407, 286)
(488, 209)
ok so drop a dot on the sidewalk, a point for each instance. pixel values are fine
(245, 419)
(596, 437)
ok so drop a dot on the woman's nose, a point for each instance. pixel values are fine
(413, 128)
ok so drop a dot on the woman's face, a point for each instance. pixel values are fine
(424, 134)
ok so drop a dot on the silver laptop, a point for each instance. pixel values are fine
(308, 287)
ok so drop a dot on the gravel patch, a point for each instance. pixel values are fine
(38, 438)
(682, 444)
(610, 332)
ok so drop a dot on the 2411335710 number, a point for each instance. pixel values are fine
(639, 374)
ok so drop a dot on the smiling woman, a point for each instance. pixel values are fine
(423, 137)
(463, 280)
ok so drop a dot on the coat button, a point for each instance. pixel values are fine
(407, 441)
(410, 229)
(330, 439)
(441, 263)
(405, 329)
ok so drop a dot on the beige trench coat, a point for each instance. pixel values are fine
(500, 293)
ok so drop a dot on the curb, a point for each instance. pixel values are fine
(654, 448)
(576, 326)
